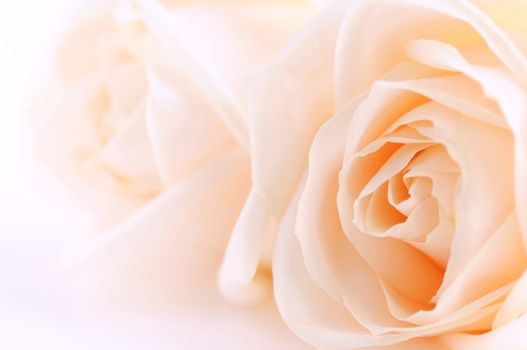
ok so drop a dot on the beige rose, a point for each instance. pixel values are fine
(147, 123)
(390, 139)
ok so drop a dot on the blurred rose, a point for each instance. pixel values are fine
(390, 137)
(147, 123)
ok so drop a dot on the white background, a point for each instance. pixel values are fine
(36, 217)
(33, 210)
(31, 201)
(28, 29)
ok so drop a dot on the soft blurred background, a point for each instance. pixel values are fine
(37, 219)
(39, 224)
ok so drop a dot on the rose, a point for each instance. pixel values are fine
(390, 138)
(108, 78)
(147, 122)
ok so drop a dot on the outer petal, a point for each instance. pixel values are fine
(288, 102)
(510, 336)
(266, 28)
(168, 239)
(224, 44)
(515, 303)
(457, 22)
(185, 131)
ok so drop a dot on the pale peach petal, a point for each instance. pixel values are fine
(509, 336)
(406, 194)
(358, 62)
(382, 108)
(240, 265)
(305, 307)
(423, 219)
(444, 313)
(436, 164)
(73, 155)
(380, 215)
(457, 92)
(474, 318)
(437, 242)
(363, 295)
(409, 270)
(396, 163)
(451, 21)
(317, 226)
(129, 155)
(185, 229)
(502, 258)
(159, 20)
(238, 38)
(185, 131)
(515, 304)
(288, 102)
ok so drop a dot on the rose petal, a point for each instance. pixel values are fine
(244, 251)
(451, 21)
(515, 304)
(186, 133)
(131, 260)
(509, 336)
(288, 95)
(129, 155)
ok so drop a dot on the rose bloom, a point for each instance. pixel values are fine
(147, 122)
(390, 139)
